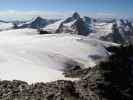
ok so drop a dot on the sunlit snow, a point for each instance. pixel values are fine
(26, 55)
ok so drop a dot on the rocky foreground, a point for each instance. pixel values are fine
(58, 90)
(111, 80)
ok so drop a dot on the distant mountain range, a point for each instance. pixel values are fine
(37, 22)
(108, 29)
(122, 32)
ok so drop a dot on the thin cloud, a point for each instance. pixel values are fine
(23, 15)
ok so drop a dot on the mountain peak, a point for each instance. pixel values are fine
(76, 15)
(39, 18)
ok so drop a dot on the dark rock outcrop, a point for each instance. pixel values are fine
(122, 32)
(75, 16)
(117, 74)
(42, 32)
(80, 26)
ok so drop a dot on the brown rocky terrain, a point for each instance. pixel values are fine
(110, 80)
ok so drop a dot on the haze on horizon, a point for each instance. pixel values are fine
(23, 9)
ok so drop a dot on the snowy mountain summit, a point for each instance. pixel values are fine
(75, 25)
(107, 29)
(37, 22)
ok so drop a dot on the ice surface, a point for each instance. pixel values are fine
(27, 56)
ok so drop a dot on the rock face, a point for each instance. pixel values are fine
(75, 16)
(122, 32)
(81, 27)
(117, 37)
(17, 90)
(59, 90)
(117, 74)
(38, 22)
(75, 25)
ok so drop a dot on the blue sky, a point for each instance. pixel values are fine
(58, 7)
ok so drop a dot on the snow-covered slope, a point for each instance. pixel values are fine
(122, 32)
(37, 22)
(101, 29)
(75, 25)
(53, 27)
(36, 58)
(18, 32)
(113, 30)
(6, 26)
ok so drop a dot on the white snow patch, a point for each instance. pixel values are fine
(18, 32)
(102, 29)
(53, 27)
(26, 56)
(6, 26)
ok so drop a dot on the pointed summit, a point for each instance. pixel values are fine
(37, 22)
(39, 18)
(75, 24)
(76, 15)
